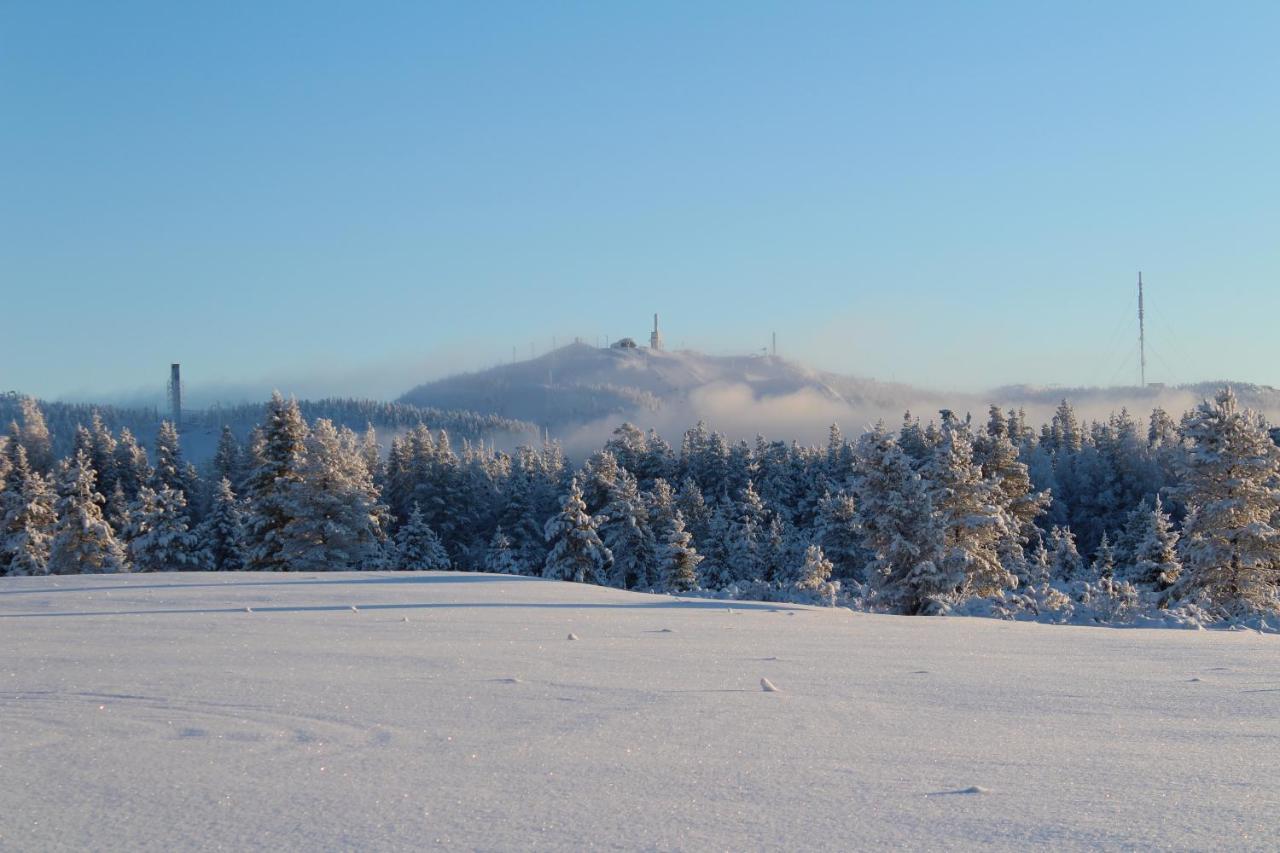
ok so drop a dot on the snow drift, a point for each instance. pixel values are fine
(205, 711)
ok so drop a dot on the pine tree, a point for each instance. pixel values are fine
(222, 532)
(576, 554)
(83, 542)
(1231, 551)
(677, 559)
(417, 548)
(159, 539)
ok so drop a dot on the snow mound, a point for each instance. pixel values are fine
(139, 712)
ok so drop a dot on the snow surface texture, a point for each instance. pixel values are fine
(152, 712)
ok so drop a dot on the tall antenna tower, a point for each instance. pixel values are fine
(775, 343)
(1142, 336)
(175, 395)
(655, 339)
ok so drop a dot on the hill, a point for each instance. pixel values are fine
(579, 383)
(402, 711)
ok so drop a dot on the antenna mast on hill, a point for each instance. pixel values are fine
(1142, 336)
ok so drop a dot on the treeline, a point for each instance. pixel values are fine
(1109, 521)
(63, 419)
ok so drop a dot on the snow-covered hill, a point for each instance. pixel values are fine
(410, 711)
(579, 383)
(586, 388)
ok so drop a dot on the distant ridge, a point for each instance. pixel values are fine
(579, 382)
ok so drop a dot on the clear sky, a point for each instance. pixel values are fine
(361, 195)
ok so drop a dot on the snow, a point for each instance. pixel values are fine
(147, 713)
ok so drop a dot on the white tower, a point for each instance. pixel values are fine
(655, 339)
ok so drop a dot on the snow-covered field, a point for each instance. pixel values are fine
(248, 711)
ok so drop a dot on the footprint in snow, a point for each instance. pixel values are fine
(1193, 679)
(512, 680)
(919, 672)
(572, 637)
(768, 686)
(972, 789)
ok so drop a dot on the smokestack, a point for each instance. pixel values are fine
(175, 395)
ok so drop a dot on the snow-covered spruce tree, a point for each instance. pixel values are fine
(625, 531)
(501, 558)
(159, 538)
(836, 530)
(660, 503)
(968, 511)
(417, 548)
(228, 459)
(337, 521)
(914, 442)
(133, 470)
(102, 451)
(279, 456)
(221, 534)
(35, 437)
(171, 469)
(697, 513)
(1231, 475)
(576, 554)
(717, 571)
(27, 518)
(677, 560)
(83, 542)
(813, 580)
(745, 537)
(1104, 560)
(598, 476)
(778, 547)
(1065, 563)
(1010, 481)
(896, 520)
(1155, 560)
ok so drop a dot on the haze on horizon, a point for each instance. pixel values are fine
(354, 201)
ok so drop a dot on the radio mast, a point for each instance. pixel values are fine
(1142, 336)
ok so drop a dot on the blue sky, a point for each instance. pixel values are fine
(361, 195)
